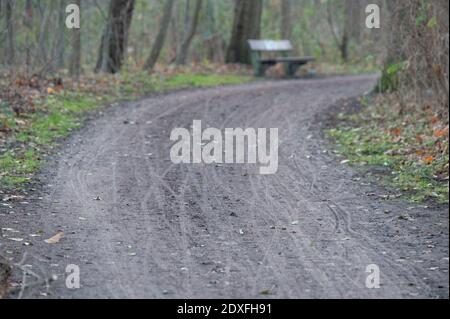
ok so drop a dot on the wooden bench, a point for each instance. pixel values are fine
(282, 47)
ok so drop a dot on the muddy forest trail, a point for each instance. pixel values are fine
(139, 226)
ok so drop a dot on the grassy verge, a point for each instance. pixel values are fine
(31, 135)
(412, 148)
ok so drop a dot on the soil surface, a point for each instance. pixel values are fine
(139, 226)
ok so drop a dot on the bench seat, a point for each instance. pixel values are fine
(305, 59)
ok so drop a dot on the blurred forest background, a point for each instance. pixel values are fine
(50, 74)
(142, 34)
(34, 35)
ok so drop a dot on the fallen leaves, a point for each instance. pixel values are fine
(20, 122)
(265, 292)
(55, 239)
(428, 159)
(434, 119)
(412, 144)
(396, 131)
(441, 133)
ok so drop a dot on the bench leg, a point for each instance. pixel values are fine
(291, 68)
(260, 69)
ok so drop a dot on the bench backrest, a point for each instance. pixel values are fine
(270, 45)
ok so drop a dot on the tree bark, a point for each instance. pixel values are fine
(43, 33)
(342, 40)
(393, 48)
(286, 19)
(160, 38)
(10, 49)
(75, 59)
(28, 23)
(356, 19)
(212, 36)
(60, 45)
(349, 20)
(114, 39)
(184, 48)
(389, 81)
(246, 26)
(174, 33)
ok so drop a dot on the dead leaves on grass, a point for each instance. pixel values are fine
(441, 133)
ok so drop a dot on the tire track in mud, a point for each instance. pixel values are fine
(264, 246)
(199, 231)
(342, 220)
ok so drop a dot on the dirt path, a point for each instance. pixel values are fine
(198, 231)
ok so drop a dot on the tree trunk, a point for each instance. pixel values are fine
(349, 20)
(212, 37)
(393, 49)
(187, 9)
(42, 39)
(28, 23)
(59, 46)
(75, 60)
(390, 80)
(184, 48)
(246, 26)
(342, 38)
(160, 38)
(174, 32)
(114, 39)
(10, 49)
(344, 46)
(286, 19)
(356, 19)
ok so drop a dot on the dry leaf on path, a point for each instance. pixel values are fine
(55, 239)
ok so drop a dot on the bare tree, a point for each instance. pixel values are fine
(160, 38)
(213, 40)
(59, 45)
(356, 16)
(286, 19)
(246, 25)
(341, 34)
(174, 26)
(75, 59)
(115, 37)
(28, 23)
(184, 48)
(43, 36)
(10, 48)
(418, 69)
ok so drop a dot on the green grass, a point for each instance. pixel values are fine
(202, 80)
(16, 167)
(368, 143)
(140, 83)
(58, 115)
(367, 66)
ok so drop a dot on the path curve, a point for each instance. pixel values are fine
(162, 230)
